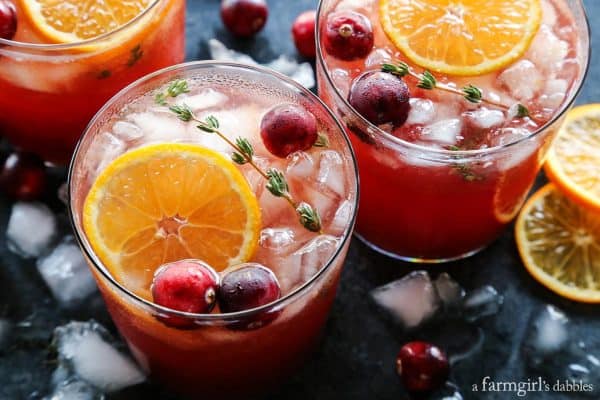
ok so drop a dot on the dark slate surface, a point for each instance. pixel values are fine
(356, 358)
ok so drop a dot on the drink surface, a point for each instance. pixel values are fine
(541, 79)
(320, 176)
(60, 89)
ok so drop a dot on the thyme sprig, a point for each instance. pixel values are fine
(427, 81)
(174, 89)
(244, 154)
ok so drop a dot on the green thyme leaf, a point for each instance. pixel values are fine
(400, 70)
(178, 87)
(183, 112)
(238, 158)
(161, 99)
(309, 217)
(212, 122)
(245, 147)
(322, 141)
(427, 81)
(522, 111)
(472, 93)
(277, 184)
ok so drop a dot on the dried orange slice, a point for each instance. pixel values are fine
(559, 243)
(167, 202)
(573, 162)
(69, 21)
(461, 37)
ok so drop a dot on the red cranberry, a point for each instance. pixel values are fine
(247, 286)
(288, 128)
(422, 366)
(244, 18)
(380, 97)
(23, 176)
(348, 35)
(8, 20)
(186, 285)
(303, 32)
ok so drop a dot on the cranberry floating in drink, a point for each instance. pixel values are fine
(451, 108)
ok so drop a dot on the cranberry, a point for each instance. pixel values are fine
(8, 20)
(23, 176)
(303, 32)
(247, 286)
(244, 18)
(422, 366)
(288, 128)
(186, 285)
(348, 35)
(380, 97)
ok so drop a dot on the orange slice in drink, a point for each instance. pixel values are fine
(573, 162)
(166, 202)
(461, 37)
(69, 21)
(559, 243)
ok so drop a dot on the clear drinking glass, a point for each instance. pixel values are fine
(49, 92)
(216, 357)
(424, 203)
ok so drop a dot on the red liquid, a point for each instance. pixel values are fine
(50, 122)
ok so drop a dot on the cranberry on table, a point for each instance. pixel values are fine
(303, 32)
(8, 20)
(23, 176)
(380, 97)
(423, 367)
(187, 285)
(244, 18)
(288, 128)
(247, 286)
(348, 35)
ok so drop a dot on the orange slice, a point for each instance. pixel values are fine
(461, 37)
(167, 202)
(69, 21)
(573, 162)
(559, 243)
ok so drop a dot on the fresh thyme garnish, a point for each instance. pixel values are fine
(174, 89)
(322, 141)
(244, 154)
(427, 81)
(463, 169)
(136, 54)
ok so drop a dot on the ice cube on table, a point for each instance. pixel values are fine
(331, 172)
(411, 300)
(481, 302)
(31, 229)
(84, 349)
(547, 51)
(485, 118)
(522, 80)
(548, 332)
(445, 132)
(449, 291)
(73, 390)
(422, 111)
(66, 273)
(448, 392)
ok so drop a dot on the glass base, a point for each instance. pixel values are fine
(417, 260)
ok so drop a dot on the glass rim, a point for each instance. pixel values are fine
(282, 301)
(67, 46)
(395, 141)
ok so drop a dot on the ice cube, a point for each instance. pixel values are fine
(159, 127)
(482, 302)
(41, 76)
(341, 80)
(220, 52)
(448, 392)
(548, 332)
(127, 131)
(444, 132)
(341, 218)
(84, 349)
(207, 98)
(66, 273)
(377, 58)
(331, 172)
(276, 239)
(547, 51)
(522, 80)
(105, 148)
(300, 166)
(548, 13)
(422, 111)
(324, 200)
(31, 229)
(315, 254)
(449, 291)
(73, 390)
(485, 118)
(412, 300)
